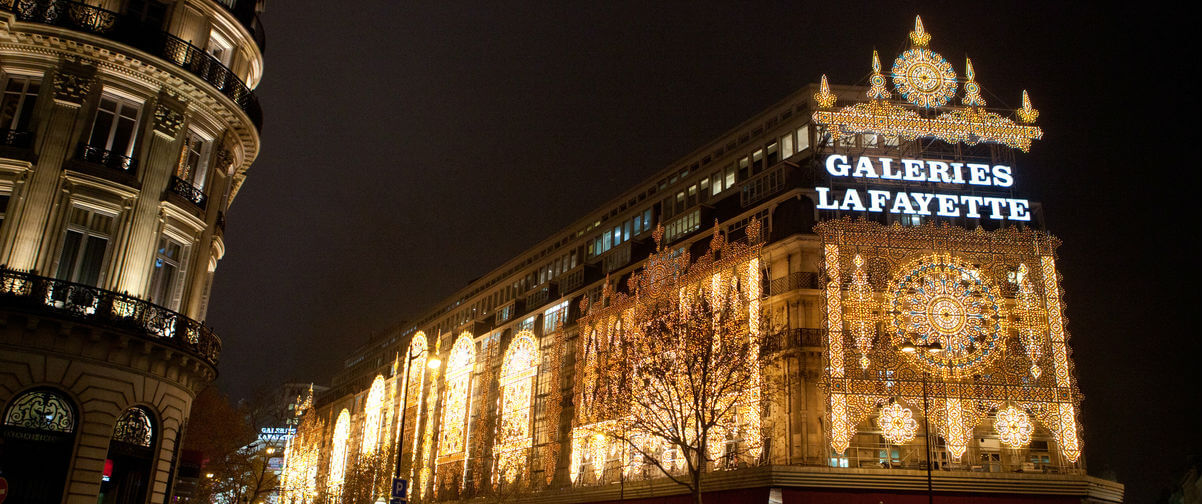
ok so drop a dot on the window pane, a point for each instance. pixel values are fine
(93, 258)
(66, 260)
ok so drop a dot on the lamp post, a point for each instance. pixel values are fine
(433, 363)
(926, 416)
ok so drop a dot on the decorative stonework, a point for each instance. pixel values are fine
(70, 88)
(168, 116)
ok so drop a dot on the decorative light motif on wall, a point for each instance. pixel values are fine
(1014, 427)
(945, 289)
(342, 434)
(1031, 319)
(456, 405)
(513, 441)
(860, 305)
(298, 480)
(372, 408)
(939, 299)
(928, 83)
(924, 78)
(897, 424)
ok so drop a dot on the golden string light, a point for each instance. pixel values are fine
(371, 416)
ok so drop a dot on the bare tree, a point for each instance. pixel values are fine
(672, 370)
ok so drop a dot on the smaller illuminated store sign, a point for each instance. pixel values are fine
(888, 169)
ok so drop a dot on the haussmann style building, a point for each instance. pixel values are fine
(900, 298)
(126, 129)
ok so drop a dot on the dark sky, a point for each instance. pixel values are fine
(410, 147)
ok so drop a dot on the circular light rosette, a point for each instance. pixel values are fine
(924, 78)
(941, 299)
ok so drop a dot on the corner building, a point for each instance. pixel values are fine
(902, 295)
(126, 129)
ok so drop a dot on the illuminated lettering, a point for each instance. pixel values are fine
(851, 201)
(877, 200)
(913, 169)
(976, 174)
(1002, 177)
(937, 172)
(887, 169)
(824, 199)
(837, 165)
(947, 205)
(923, 200)
(864, 168)
(1018, 209)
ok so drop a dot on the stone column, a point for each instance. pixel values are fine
(56, 135)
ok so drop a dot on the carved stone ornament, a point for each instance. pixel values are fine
(167, 120)
(71, 88)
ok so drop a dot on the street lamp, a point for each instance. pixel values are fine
(433, 363)
(933, 348)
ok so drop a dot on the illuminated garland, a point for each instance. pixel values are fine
(860, 305)
(455, 407)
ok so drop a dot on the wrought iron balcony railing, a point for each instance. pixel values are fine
(15, 138)
(121, 311)
(189, 192)
(109, 159)
(133, 32)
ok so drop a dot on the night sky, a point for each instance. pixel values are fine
(411, 147)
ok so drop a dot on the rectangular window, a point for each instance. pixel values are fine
(115, 125)
(166, 274)
(220, 48)
(638, 224)
(626, 231)
(730, 177)
(3, 208)
(647, 219)
(85, 246)
(555, 317)
(20, 95)
(787, 146)
(803, 138)
(193, 162)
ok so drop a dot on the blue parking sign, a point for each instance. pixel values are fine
(400, 488)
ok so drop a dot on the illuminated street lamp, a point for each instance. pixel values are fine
(933, 348)
(433, 363)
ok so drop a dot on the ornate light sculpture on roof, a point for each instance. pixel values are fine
(927, 82)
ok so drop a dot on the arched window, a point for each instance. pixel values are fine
(38, 437)
(134, 427)
(371, 415)
(459, 385)
(517, 379)
(41, 410)
(342, 433)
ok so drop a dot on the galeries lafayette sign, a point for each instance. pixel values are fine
(873, 168)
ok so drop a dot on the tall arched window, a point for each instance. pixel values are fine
(39, 434)
(131, 455)
(458, 398)
(371, 415)
(342, 433)
(516, 382)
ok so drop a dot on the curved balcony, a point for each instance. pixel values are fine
(59, 298)
(131, 32)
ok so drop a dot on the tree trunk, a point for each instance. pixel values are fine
(697, 486)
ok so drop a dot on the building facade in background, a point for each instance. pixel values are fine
(126, 129)
(900, 293)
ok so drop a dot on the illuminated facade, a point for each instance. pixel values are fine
(883, 295)
(126, 129)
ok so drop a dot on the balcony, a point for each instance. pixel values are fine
(129, 31)
(188, 192)
(793, 281)
(106, 164)
(38, 294)
(16, 144)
